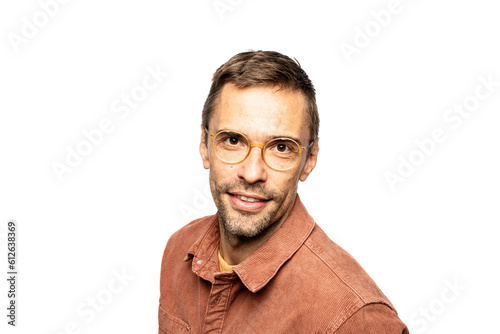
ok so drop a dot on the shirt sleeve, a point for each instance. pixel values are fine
(373, 319)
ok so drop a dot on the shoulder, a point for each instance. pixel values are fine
(181, 240)
(334, 268)
(373, 319)
(333, 259)
(190, 232)
(340, 285)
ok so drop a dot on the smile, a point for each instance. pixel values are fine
(247, 202)
(248, 199)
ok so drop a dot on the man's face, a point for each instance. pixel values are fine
(260, 113)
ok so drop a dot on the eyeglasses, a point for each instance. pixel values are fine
(279, 154)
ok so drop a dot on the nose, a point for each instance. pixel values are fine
(253, 168)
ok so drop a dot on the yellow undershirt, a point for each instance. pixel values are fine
(223, 266)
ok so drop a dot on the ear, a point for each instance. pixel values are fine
(311, 161)
(204, 149)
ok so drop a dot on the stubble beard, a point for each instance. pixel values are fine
(245, 225)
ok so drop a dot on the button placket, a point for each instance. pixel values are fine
(216, 307)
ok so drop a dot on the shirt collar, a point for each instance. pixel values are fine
(260, 267)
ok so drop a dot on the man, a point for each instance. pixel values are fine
(261, 264)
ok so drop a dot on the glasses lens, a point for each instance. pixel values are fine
(231, 147)
(282, 154)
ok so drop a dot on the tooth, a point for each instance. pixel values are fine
(244, 198)
(250, 199)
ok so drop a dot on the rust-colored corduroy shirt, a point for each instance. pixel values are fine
(299, 281)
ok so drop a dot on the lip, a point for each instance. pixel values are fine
(240, 193)
(246, 206)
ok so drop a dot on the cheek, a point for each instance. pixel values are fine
(219, 172)
(286, 185)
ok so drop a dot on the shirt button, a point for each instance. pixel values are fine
(199, 261)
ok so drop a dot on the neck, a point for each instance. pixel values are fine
(236, 249)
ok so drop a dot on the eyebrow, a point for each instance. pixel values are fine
(269, 138)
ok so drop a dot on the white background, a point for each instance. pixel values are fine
(115, 211)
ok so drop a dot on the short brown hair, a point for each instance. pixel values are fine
(263, 68)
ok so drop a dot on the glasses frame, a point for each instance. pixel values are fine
(250, 145)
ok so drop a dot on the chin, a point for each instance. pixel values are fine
(244, 225)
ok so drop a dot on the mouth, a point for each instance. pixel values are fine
(248, 202)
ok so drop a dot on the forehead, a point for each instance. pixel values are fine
(262, 112)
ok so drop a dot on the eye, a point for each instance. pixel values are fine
(282, 148)
(232, 140)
